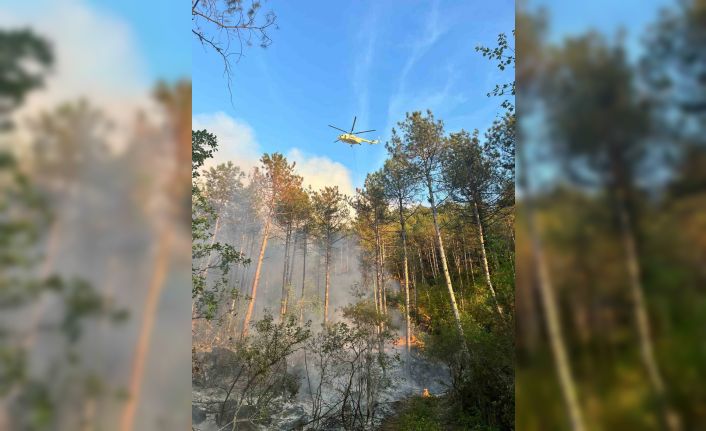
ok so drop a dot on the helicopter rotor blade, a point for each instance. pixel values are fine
(337, 128)
(352, 128)
(364, 131)
(336, 141)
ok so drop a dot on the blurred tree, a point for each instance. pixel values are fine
(25, 59)
(32, 391)
(675, 68)
(67, 142)
(601, 131)
(532, 62)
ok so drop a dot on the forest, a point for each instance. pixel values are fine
(389, 309)
(610, 224)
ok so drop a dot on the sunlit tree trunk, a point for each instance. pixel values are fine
(256, 279)
(484, 258)
(414, 285)
(382, 277)
(670, 418)
(318, 271)
(447, 277)
(551, 312)
(403, 234)
(376, 289)
(285, 272)
(292, 259)
(421, 263)
(379, 269)
(432, 263)
(154, 290)
(457, 263)
(301, 298)
(328, 282)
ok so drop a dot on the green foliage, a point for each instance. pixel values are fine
(221, 183)
(329, 215)
(203, 144)
(23, 216)
(421, 414)
(255, 376)
(504, 56)
(434, 414)
(24, 60)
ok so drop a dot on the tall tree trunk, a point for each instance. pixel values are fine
(318, 271)
(149, 313)
(670, 418)
(556, 337)
(382, 276)
(414, 285)
(292, 257)
(376, 289)
(403, 234)
(256, 279)
(432, 262)
(285, 271)
(465, 257)
(301, 298)
(457, 263)
(447, 277)
(328, 282)
(421, 263)
(486, 269)
(470, 262)
(551, 312)
(378, 268)
(293, 254)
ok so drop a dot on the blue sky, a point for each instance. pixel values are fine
(569, 18)
(332, 60)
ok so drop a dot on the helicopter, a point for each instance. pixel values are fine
(351, 138)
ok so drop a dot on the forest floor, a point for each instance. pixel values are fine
(412, 377)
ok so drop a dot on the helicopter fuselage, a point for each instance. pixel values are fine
(354, 140)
